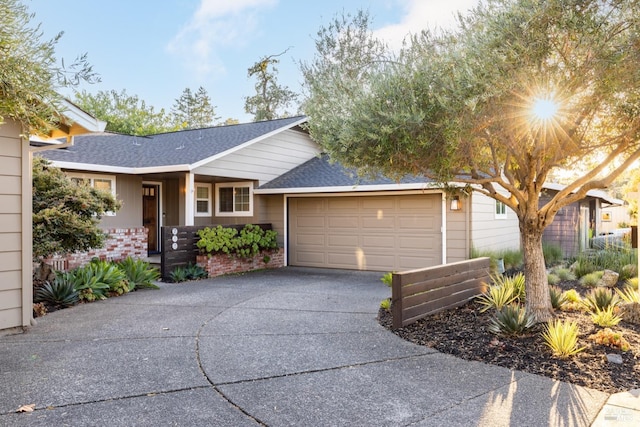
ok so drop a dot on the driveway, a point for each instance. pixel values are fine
(281, 347)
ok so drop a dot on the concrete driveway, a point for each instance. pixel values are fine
(281, 347)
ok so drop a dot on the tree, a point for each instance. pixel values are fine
(66, 214)
(518, 89)
(29, 74)
(271, 99)
(125, 113)
(194, 110)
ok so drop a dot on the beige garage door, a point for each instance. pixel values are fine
(383, 233)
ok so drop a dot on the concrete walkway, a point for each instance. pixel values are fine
(283, 347)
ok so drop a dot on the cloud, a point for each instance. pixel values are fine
(216, 25)
(421, 14)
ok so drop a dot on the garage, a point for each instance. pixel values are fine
(380, 233)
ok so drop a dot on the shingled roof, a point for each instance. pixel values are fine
(178, 150)
(321, 172)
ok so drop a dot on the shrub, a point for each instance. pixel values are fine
(504, 291)
(139, 273)
(628, 271)
(511, 319)
(387, 278)
(572, 295)
(552, 254)
(600, 299)
(583, 266)
(553, 279)
(195, 272)
(109, 274)
(564, 274)
(605, 317)
(558, 298)
(87, 282)
(591, 280)
(59, 293)
(247, 243)
(611, 339)
(385, 304)
(179, 274)
(607, 259)
(562, 338)
(512, 258)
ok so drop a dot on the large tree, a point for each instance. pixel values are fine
(271, 99)
(66, 214)
(518, 89)
(30, 75)
(193, 110)
(125, 113)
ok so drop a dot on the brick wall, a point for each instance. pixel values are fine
(217, 265)
(120, 244)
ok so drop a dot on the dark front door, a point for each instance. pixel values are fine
(150, 207)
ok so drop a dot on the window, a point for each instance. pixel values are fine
(234, 199)
(501, 210)
(203, 199)
(100, 182)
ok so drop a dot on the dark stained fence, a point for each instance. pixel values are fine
(419, 293)
(179, 245)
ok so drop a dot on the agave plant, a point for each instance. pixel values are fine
(558, 298)
(600, 299)
(59, 292)
(512, 319)
(195, 272)
(179, 274)
(139, 273)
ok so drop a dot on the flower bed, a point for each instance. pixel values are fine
(219, 264)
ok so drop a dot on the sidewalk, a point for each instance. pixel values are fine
(282, 347)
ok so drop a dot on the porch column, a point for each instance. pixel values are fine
(189, 202)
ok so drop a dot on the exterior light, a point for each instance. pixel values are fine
(456, 205)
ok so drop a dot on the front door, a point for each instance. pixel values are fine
(150, 209)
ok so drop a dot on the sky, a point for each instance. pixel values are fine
(156, 48)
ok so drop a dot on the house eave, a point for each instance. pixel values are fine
(119, 169)
(347, 188)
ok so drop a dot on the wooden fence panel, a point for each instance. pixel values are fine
(179, 245)
(419, 293)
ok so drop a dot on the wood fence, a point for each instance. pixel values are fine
(419, 293)
(179, 245)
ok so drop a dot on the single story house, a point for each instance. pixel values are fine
(16, 263)
(273, 172)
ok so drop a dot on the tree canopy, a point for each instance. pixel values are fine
(271, 99)
(66, 214)
(518, 89)
(194, 110)
(30, 75)
(125, 113)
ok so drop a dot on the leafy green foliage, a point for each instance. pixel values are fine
(195, 272)
(193, 110)
(179, 274)
(558, 298)
(632, 283)
(59, 293)
(562, 338)
(564, 273)
(139, 273)
(385, 304)
(66, 215)
(387, 278)
(504, 291)
(591, 280)
(30, 75)
(608, 259)
(247, 243)
(605, 317)
(271, 99)
(552, 253)
(629, 295)
(512, 319)
(553, 279)
(599, 299)
(572, 296)
(512, 258)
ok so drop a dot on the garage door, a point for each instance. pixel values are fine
(383, 233)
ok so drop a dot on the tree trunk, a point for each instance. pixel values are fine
(538, 302)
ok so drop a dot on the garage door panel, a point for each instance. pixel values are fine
(383, 233)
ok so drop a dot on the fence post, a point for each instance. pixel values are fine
(396, 300)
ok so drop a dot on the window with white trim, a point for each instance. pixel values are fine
(202, 199)
(99, 182)
(234, 199)
(501, 210)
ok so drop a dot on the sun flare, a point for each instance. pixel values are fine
(545, 108)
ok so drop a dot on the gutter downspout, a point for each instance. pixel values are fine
(444, 228)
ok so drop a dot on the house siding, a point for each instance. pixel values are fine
(271, 211)
(458, 233)
(129, 191)
(489, 233)
(15, 230)
(264, 160)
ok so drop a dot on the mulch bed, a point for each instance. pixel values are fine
(463, 333)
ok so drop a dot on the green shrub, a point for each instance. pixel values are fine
(195, 272)
(572, 295)
(553, 279)
(564, 273)
(87, 282)
(583, 266)
(628, 271)
(558, 298)
(607, 259)
(562, 338)
(59, 292)
(504, 291)
(605, 317)
(600, 299)
(179, 274)
(552, 254)
(139, 273)
(109, 274)
(511, 319)
(387, 278)
(225, 240)
(512, 258)
(385, 304)
(591, 280)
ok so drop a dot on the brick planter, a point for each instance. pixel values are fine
(217, 265)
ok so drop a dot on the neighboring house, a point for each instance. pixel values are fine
(16, 263)
(273, 172)
(575, 224)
